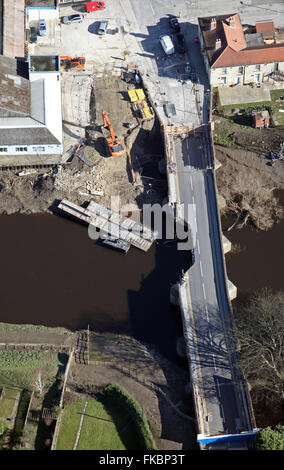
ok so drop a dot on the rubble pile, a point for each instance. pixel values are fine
(86, 181)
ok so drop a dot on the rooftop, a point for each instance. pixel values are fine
(14, 28)
(44, 63)
(27, 136)
(265, 27)
(30, 110)
(254, 39)
(40, 3)
(232, 46)
(14, 89)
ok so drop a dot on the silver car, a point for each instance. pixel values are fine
(42, 28)
(78, 18)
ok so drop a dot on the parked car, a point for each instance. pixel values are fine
(94, 6)
(42, 28)
(77, 18)
(167, 44)
(174, 24)
(33, 34)
(102, 27)
(180, 43)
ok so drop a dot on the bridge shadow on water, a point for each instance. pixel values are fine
(152, 317)
(63, 278)
(156, 322)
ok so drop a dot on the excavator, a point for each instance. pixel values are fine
(67, 63)
(114, 144)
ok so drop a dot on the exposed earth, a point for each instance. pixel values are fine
(117, 176)
(246, 180)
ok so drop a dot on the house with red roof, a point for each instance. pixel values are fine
(232, 57)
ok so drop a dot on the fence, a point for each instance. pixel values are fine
(58, 422)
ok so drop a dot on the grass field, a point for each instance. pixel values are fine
(24, 327)
(105, 427)
(18, 368)
(69, 426)
(7, 402)
(273, 106)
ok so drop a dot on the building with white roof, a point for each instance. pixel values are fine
(30, 111)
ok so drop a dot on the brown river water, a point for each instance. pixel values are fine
(259, 262)
(53, 274)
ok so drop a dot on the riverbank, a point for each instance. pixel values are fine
(255, 263)
(56, 276)
(246, 179)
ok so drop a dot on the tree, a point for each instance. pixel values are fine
(2, 428)
(259, 331)
(248, 197)
(39, 384)
(270, 439)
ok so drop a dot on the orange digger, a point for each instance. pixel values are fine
(114, 144)
(67, 63)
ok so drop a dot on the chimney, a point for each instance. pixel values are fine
(218, 43)
(212, 24)
(232, 22)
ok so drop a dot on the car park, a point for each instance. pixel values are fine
(102, 27)
(33, 34)
(167, 44)
(42, 28)
(174, 24)
(94, 6)
(77, 18)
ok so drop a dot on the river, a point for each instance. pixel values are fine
(53, 274)
(258, 261)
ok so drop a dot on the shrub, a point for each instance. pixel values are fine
(123, 398)
(270, 439)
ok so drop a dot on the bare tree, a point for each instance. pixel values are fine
(39, 383)
(259, 331)
(249, 199)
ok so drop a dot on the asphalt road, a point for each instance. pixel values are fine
(213, 361)
(143, 23)
(209, 304)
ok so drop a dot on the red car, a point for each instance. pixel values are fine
(94, 6)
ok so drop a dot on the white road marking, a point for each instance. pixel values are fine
(210, 334)
(206, 310)
(201, 268)
(191, 185)
(153, 11)
(204, 293)
(214, 362)
(198, 246)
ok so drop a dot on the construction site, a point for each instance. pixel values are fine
(88, 171)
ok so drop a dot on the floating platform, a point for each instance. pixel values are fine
(112, 225)
(118, 245)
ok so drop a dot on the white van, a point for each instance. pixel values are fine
(167, 44)
(103, 27)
